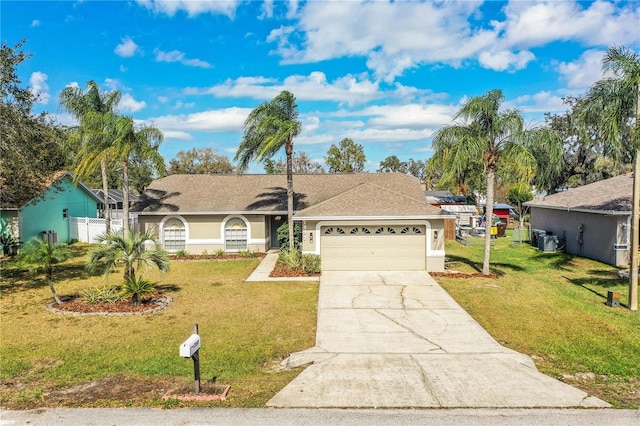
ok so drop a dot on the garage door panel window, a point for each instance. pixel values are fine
(174, 235)
(235, 235)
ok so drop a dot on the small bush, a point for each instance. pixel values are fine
(105, 294)
(283, 236)
(244, 253)
(137, 289)
(219, 253)
(311, 263)
(290, 257)
(182, 253)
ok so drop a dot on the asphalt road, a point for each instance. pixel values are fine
(311, 416)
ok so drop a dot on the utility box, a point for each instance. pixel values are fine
(548, 243)
(613, 298)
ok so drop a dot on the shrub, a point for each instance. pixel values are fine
(9, 243)
(283, 236)
(105, 294)
(290, 257)
(219, 253)
(182, 253)
(137, 289)
(311, 263)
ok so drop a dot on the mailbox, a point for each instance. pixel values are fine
(190, 346)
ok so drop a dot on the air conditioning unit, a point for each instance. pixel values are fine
(548, 243)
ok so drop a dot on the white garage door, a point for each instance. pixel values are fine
(373, 248)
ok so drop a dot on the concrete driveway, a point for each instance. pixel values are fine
(397, 339)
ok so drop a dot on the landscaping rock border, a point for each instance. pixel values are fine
(161, 303)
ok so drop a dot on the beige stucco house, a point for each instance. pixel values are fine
(370, 221)
(593, 220)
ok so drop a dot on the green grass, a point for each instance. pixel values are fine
(246, 329)
(551, 306)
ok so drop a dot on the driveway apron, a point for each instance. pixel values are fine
(397, 339)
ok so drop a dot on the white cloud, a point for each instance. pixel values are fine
(538, 103)
(178, 56)
(219, 120)
(266, 9)
(192, 7)
(583, 72)
(397, 36)
(598, 23)
(127, 48)
(129, 104)
(35, 23)
(349, 89)
(163, 99)
(505, 60)
(38, 87)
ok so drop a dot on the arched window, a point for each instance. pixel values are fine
(173, 235)
(235, 235)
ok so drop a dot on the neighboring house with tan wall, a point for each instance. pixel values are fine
(593, 220)
(376, 221)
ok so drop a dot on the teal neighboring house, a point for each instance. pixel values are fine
(51, 210)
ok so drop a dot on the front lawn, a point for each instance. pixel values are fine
(551, 306)
(60, 360)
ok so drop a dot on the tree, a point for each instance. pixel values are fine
(485, 134)
(131, 251)
(94, 109)
(200, 161)
(268, 128)
(144, 143)
(302, 164)
(41, 256)
(32, 147)
(347, 158)
(518, 195)
(612, 105)
(392, 164)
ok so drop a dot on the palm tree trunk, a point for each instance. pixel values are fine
(49, 275)
(125, 196)
(491, 173)
(289, 152)
(635, 237)
(105, 191)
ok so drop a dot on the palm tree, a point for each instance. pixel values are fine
(144, 143)
(42, 255)
(268, 128)
(610, 105)
(488, 135)
(89, 107)
(115, 249)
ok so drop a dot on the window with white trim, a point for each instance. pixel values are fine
(235, 235)
(174, 235)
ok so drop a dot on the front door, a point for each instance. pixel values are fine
(276, 222)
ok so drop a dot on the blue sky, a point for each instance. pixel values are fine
(385, 74)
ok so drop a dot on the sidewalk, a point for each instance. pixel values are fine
(261, 273)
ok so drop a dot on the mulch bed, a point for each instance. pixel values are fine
(78, 305)
(455, 274)
(226, 256)
(283, 271)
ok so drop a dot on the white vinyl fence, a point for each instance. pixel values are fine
(86, 229)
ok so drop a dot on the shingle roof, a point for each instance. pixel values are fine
(369, 200)
(268, 193)
(609, 196)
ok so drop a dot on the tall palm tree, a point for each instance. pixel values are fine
(89, 107)
(41, 256)
(610, 105)
(484, 134)
(269, 127)
(142, 142)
